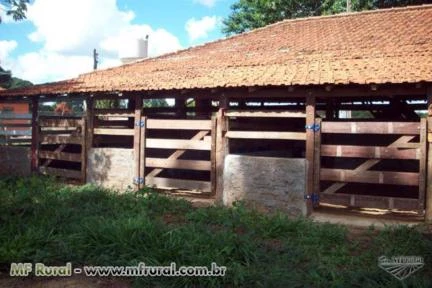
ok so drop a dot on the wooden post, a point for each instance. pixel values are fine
(84, 141)
(142, 157)
(213, 178)
(202, 108)
(221, 149)
(180, 107)
(428, 197)
(137, 139)
(422, 164)
(35, 134)
(317, 158)
(310, 121)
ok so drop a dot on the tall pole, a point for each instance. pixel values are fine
(348, 8)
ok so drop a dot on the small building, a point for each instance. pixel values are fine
(291, 116)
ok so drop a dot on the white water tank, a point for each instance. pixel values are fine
(142, 48)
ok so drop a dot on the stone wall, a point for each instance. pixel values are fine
(266, 183)
(15, 161)
(111, 167)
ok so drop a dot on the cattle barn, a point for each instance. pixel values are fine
(292, 116)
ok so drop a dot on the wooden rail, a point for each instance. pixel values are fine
(265, 135)
(408, 128)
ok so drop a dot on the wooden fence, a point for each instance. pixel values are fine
(62, 139)
(401, 148)
(15, 129)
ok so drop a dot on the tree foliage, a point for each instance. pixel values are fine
(15, 8)
(7, 81)
(251, 14)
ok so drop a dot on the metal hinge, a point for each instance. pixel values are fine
(314, 127)
(313, 197)
(138, 180)
(140, 123)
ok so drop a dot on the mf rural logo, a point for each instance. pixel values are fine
(401, 267)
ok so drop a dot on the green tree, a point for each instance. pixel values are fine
(251, 14)
(15, 8)
(9, 82)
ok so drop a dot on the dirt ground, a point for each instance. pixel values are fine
(66, 282)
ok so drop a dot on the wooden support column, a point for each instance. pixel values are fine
(142, 157)
(137, 139)
(428, 196)
(310, 140)
(35, 134)
(221, 148)
(317, 158)
(84, 141)
(203, 107)
(180, 107)
(90, 122)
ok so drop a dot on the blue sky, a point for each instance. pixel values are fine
(57, 39)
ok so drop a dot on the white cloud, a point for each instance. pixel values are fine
(208, 3)
(70, 30)
(200, 28)
(6, 46)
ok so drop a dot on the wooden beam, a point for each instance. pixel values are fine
(54, 139)
(310, 146)
(422, 164)
(178, 144)
(317, 158)
(408, 128)
(428, 197)
(371, 152)
(171, 183)
(266, 135)
(179, 124)
(197, 165)
(35, 134)
(136, 132)
(60, 123)
(63, 156)
(266, 114)
(373, 177)
(213, 174)
(113, 132)
(142, 161)
(83, 150)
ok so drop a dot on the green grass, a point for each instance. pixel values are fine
(43, 221)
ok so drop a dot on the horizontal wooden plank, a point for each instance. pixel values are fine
(55, 115)
(266, 135)
(170, 183)
(178, 164)
(371, 152)
(65, 173)
(63, 156)
(375, 177)
(56, 139)
(15, 116)
(266, 114)
(111, 123)
(14, 125)
(26, 132)
(178, 144)
(107, 131)
(366, 201)
(179, 124)
(408, 128)
(57, 132)
(60, 122)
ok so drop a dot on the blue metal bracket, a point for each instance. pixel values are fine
(140, 123)
(313, 197)
(138, 180)
(314, 127)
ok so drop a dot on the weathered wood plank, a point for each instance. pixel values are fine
(116, 132)
(422, 164)
(15, 125)
(63, 156)
(179, 124)
(170, 183)
(317, 158)
(60, 122)
(409, 128)
(405, 204)
(213, 178)
(114, 112)
(310, 146)
(198, 165)
(374, 177)
(13, 116)
(52, 139)
(35, 134)
(137, 136)
(265, 135)
(428, 197)
(178, 144)
(266, 114)
(83, 150)
(65, 173)
(372, 152)
(142, 162)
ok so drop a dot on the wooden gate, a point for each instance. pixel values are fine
(372, 164)
(61, 147)
(176, 154)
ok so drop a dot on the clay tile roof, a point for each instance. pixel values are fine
(381, 46)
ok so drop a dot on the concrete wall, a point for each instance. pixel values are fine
(15, 161)
(111, 167)
(266, 183)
